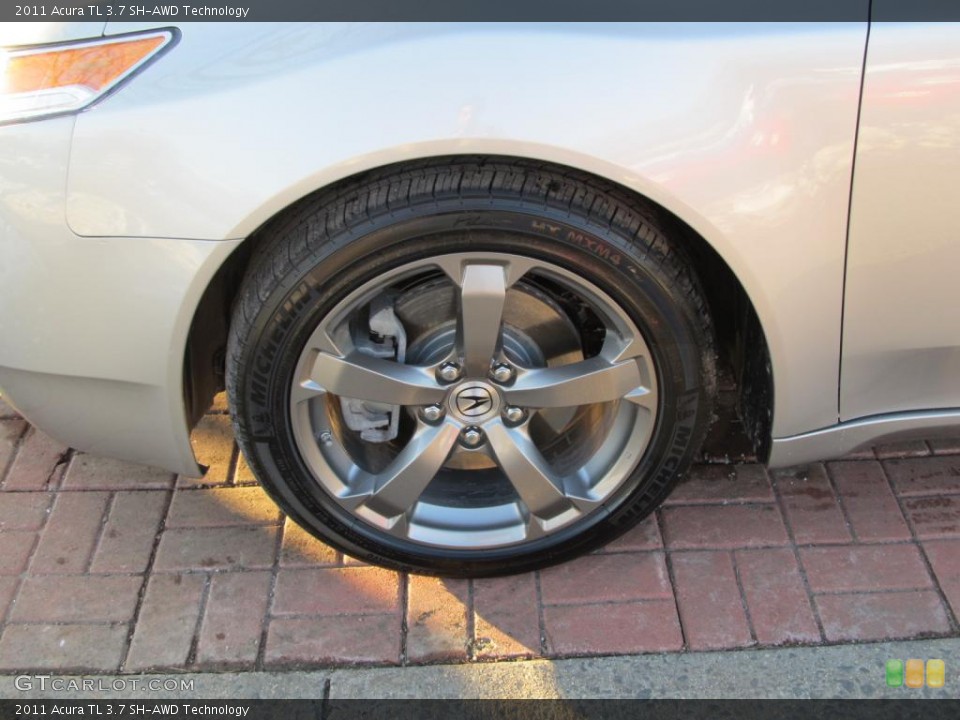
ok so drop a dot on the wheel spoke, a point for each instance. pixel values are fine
(643, 397)
(306, 390)
(539, 488)
(483, 291)
(582, 383)
(363, 377)
(397, 489)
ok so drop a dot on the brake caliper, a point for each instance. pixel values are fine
(378, 422)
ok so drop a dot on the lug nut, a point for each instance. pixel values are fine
(472, 437)
(514, 415)
(449, 372)
(431, 413)
(502, 373)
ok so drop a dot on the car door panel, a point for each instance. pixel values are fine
(901, 335)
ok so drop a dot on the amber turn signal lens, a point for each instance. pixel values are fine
(64, 78)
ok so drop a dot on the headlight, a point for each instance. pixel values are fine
(49, 80)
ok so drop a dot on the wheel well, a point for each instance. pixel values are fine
(744, 361)
(745, 370)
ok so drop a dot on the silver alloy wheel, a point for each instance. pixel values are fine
(523, 398)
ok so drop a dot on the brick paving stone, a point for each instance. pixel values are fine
(233, 620)
(780, 609)
(723, 484)
(213, 446)
(301, 549)
(11, 429)
(437, 619)
(24, 511)
(70, 536)
(811, 506)
(90, 648)
(865, 568)
(908, 449)
(167, 621)
(872, 508)
(131, 530)
(89, 472)
(220, 404)
(506, 620)
(723, 526)
(221, 507)
(645, 536)
(333, 609)
(15, 549)
(945, 446)
(37, 464)
(350, 639)
(925, 476)
(243, 474)
(881, 616)
(612, 628)
(8, 588)
(77, 598)
(711, 609)
(944, 556)
(606, 578)
(229, 548)
(336, 591)
(934, 517)
(866, 453)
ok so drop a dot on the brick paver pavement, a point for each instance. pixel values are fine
(107, 566)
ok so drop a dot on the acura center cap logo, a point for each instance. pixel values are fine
(474, 401)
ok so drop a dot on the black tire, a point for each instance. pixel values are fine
(330, 243)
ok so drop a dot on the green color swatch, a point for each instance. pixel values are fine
(894, 673)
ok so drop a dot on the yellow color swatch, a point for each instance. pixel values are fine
(935, 673)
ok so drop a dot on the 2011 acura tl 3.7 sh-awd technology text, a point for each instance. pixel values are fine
(468, 287)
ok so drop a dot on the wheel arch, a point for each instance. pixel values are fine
(725, 281)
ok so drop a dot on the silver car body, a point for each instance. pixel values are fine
(114, 222)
